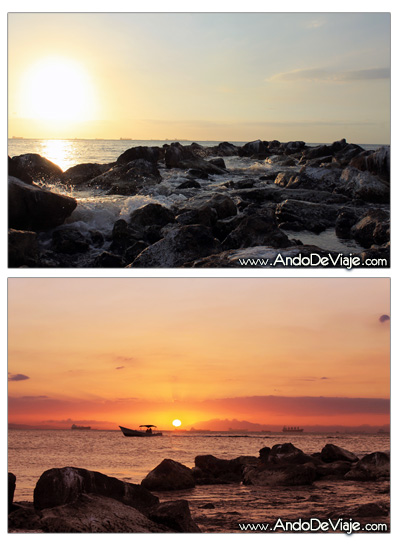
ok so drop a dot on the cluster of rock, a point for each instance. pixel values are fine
(75, 500)
(281, 465)
(340, 186)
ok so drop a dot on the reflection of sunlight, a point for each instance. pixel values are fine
(59, 151)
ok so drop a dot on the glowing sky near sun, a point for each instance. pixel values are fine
(317, 77)
(133, 350)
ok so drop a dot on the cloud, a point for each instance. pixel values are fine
(322, 75)
(384, 318)
(17, 377)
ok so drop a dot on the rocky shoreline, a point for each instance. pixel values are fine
(221, 217)
(282, 481)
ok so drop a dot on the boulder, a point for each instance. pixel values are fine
(212, 470)
(347, 217)
(257, 230)
(345, 155)
(175, 515)
(264, 454)
(371, 467)
(152, 214)
(127, 178)
(200, 165)
(107, 259)
(149, 154)
(331, 453)
(180, 245)
(189, 184)
(287, 453)
(254, 148)
(82, 173)
(333, 470)
(22, 248)
(36, 167)
(16, 170)
(169, 475)
(223, 149)
(364, 186)
(11, 489)
(97, 514)
(377, 162)
(60, 486)
(69, 241)
(35, 209)
(303, 215)
(373, 228)
(275, 475)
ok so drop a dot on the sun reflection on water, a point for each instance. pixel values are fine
(61, 152)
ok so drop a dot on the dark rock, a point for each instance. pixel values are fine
(279, 475)
(200, 166)
(11, 489)
(372, 467)
(373, 228)
(22, 248)
(16, 170)
(82, 173)
(333, 470)
(106, 259)
(376, 162)
(169, 476)
(211, 470)
(69, 241)
(180, 245)
(370, 510)
(127, 178)
(302, 215)
(200, 174)
(151, 214)
(257, 230)
(345, 155)
(224, 149)
(92, 513)
(189, 184)
(245, 183)
(208, 506)
(64, 485)
(175, 515)
(33, 208)
(36, 167)
(218, 162)
(364, 186)
(331, 453)
(224, 206)
(345, 221)
(264, 454)
(257, 148)
(150, 154)
(287, 453)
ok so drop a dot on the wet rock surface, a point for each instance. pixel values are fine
(242, 197)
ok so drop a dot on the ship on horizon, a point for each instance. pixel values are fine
(75, 427)
(292, 429)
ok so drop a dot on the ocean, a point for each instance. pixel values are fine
(97, 212)
(31, 452)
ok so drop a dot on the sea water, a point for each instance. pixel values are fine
(31, 452)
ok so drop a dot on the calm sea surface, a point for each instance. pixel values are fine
(31, 452)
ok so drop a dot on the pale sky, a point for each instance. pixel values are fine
(316, 77)
(112, 350)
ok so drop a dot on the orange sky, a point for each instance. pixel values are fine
(132, 350)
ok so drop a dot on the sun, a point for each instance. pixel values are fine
(57, 89)
(176, 423)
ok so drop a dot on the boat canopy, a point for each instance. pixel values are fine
(147, 426)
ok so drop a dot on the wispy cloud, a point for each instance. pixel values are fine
(17, 377)
(319, 74)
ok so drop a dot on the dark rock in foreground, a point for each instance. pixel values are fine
(169, 475)
(331, 453)
(11, 489)
(60, 486)
(175, 515)
(22, 248)
(32, 208)
(35, 167)
(372, 467)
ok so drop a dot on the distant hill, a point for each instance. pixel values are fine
(217, 424)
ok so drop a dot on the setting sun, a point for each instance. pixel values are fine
(176, 423)
(57, 89)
